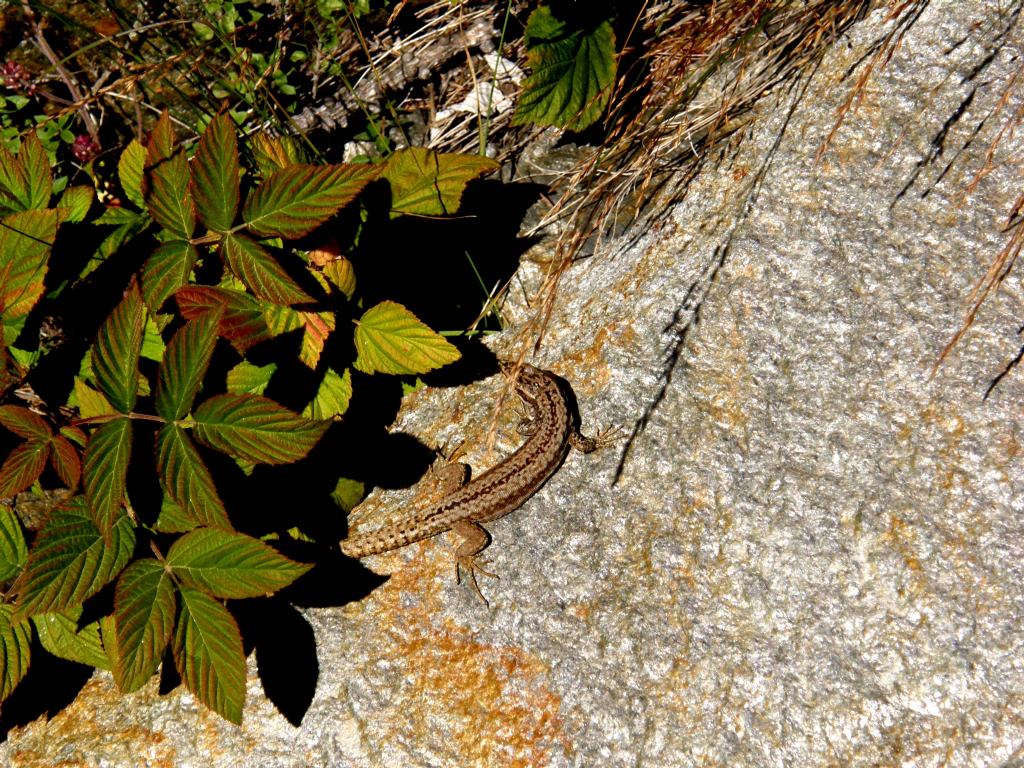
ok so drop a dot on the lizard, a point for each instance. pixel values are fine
(550, 430)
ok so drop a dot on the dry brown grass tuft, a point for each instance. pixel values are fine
(703, 66)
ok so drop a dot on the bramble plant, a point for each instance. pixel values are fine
(224, 277)
(572, 66)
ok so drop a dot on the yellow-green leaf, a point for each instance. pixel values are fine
(429, 183)
(60, 634)
(332, 396)
(25, 242)
(144, 606)
(248, 379)
(208, 654)
(37, 171)
(391, 339)
(295, 200)
(90, 402)
(186, 480)
(215, 175)
(76, 202)
(14, 187)
(341, 272)
(272, 153)
(129, 171)
(256, 429)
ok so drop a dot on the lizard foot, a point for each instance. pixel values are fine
(472, 567)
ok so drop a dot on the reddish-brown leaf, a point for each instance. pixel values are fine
(242, 320)
(66, 461)
(24, 423)
(22, 467)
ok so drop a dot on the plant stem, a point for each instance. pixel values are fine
(69, 82)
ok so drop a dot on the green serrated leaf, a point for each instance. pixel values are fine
(24, 423)
(15, 651)
(391, 339)
(76, 201)
(332, 396)
(295, 200)
(172, 518)
(23, 466)
(231, 565)
(184, 365)
(144, 606)
(260, 272)
(256, 429)
(115, 355)
(118, 216)
(573, 71)
(166, 183)
(129, 171)
(215, 175)
(186, 480)
(208, 654)
(13, 552)
(60, 634)
(106, 470)
(429, 183)
(25, 242)
(166, 270)
(273, 153)
(248, 379)
(71, 560)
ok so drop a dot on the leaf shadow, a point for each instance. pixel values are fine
(285, 648)
(50, 686)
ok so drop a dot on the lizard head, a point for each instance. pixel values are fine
(529, 381)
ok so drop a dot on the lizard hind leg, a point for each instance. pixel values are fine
(474, 539)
